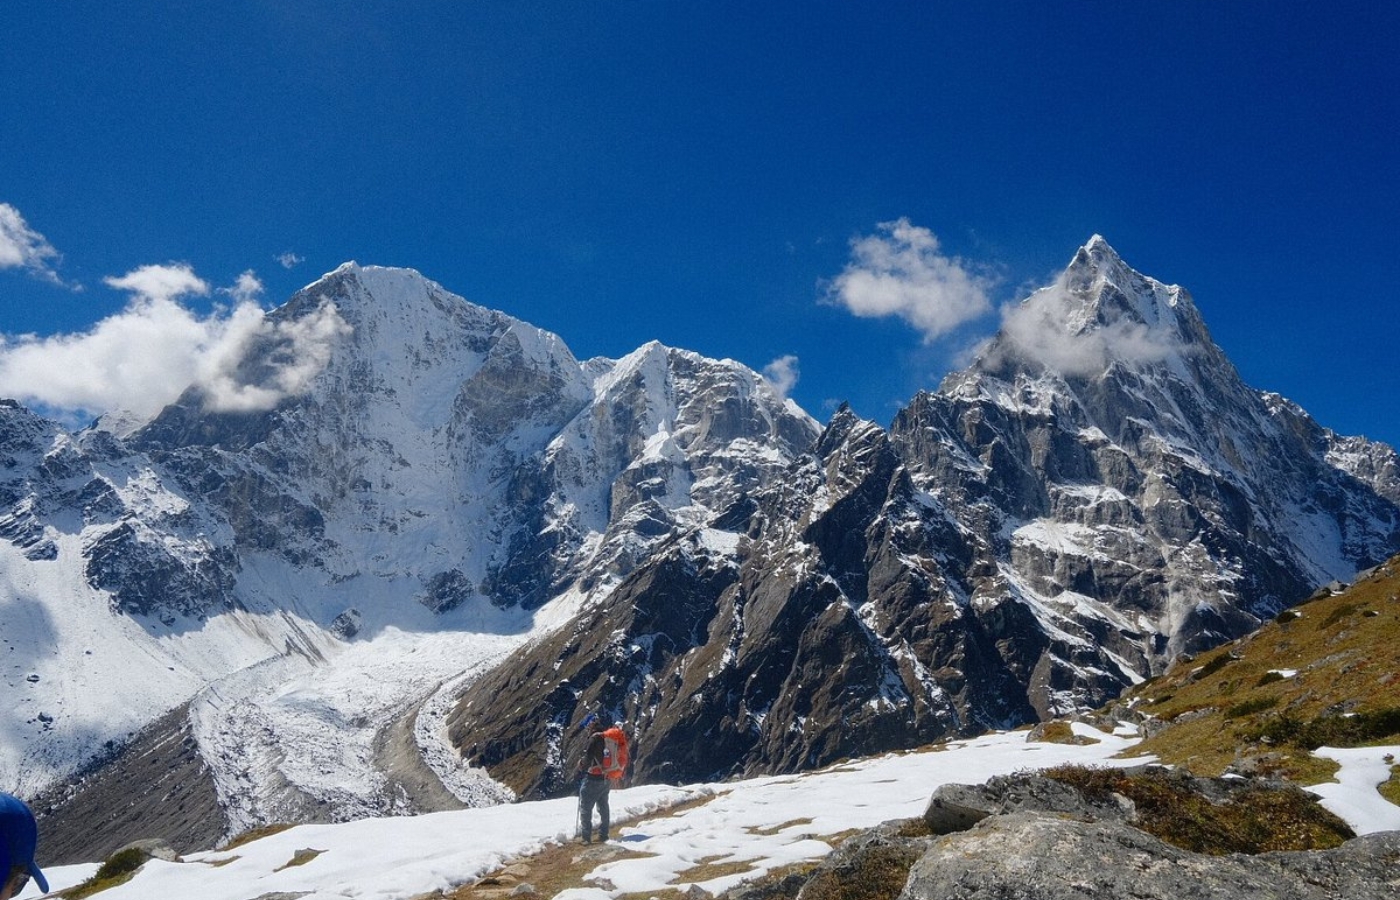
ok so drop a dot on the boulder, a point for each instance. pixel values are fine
(958, 807)
(1053, 857)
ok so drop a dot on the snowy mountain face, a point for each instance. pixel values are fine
(307, 575)
(409, 532)
(1097, 494)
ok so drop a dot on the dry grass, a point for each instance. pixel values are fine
(714, 867)
(300, 858)
(554, 869)
(1390, 790)
(1258, 820)
(119, 868)
(781, 826)
(559, 867)
(1233, 707)
(254, 834)
(880, 876)
(1058, 732)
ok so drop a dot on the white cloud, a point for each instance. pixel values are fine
(901, 271)
(160, 282)
(248, 288)
(21, 247)
(1050, 328)
(140, 360)
(144, 357)
(291, 354)
(782, 373)
(289, 260)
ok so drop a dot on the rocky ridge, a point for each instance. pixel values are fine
(1097, 494)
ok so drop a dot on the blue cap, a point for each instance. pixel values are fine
(18, 837)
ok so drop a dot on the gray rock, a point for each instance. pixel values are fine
(101, 811)
(957, 807)
(1049, 857)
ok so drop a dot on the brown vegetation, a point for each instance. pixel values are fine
(1258, 819)
(1327, 672)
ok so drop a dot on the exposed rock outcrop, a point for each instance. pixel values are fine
(1033, 854)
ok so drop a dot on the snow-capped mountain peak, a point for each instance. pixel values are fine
(443, 468)
(1099, 493)
(1098, 313)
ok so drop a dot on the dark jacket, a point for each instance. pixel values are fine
(593, 756)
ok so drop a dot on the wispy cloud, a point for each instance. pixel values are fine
(901, 271)
(21, 247)
(143, 358)
(289, 260)
(291, 353)
(160, 283)
(782, 373)
(248, 288)
(1050, 329)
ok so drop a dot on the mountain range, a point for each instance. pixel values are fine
(426, 540)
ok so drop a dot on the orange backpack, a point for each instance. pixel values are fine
(614, 753)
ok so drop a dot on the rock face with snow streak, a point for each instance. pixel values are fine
(1098, 493)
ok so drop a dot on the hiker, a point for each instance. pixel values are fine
(604, 762)
(19, 834)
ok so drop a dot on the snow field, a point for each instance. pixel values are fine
(766, 823)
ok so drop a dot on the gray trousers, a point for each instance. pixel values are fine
(593, 792)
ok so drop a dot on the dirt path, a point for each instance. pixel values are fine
(396, 756)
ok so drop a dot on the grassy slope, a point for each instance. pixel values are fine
(1225, 710)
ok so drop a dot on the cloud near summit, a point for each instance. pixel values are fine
(902, 271)
(1051, 329)
(142, 358)
(782, 374)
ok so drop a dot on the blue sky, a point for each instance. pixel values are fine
(699, 172)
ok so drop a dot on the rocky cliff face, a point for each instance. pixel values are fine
(1098, 493)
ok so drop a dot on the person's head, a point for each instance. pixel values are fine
(598, 725)
(18, 837)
